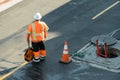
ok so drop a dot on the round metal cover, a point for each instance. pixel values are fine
(104, 39)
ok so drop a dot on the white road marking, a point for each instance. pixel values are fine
(8, 4)
(105, 10)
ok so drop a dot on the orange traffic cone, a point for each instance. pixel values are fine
(65, 56)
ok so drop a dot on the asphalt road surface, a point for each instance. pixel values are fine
(73, 22)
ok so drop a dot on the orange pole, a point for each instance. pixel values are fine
(105, 50)
(97, 48)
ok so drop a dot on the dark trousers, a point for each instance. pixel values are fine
(38, 46)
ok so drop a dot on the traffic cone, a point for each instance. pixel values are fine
(65, 56)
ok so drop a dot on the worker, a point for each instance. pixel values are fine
(36, 34)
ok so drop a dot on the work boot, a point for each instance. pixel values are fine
(42, 58)
(36, 60)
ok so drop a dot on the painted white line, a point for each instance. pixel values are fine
(105, 10)
(8, 74)
(87, 45)
(8, 4)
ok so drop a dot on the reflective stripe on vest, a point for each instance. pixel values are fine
(34, 34)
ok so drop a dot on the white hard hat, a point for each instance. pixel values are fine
(37, 16)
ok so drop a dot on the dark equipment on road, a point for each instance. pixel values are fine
(28, 56)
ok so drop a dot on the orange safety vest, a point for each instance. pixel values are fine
(37, 30)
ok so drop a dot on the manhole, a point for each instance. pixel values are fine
(112, 52)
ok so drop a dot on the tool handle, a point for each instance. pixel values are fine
(28, 44)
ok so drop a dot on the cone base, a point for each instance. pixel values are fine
(65, 62)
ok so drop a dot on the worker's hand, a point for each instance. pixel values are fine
(44, 41)
(45, 37)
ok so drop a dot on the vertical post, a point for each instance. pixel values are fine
(97, 48)
(105, 50)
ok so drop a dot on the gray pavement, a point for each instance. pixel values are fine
(13, 24)
(72, 22)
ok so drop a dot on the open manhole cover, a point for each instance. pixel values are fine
(90, 53)
(112, 52)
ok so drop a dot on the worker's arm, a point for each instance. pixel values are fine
(29, 30)
(28, 40)
(46, 28)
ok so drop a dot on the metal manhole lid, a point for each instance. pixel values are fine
(104, 39)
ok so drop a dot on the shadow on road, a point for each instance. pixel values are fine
(73, 24)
